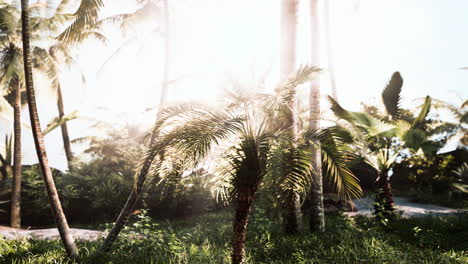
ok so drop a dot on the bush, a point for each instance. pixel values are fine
(94, 191)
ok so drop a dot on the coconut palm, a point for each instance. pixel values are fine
(379, 138)
(56, 206)
(11, 76)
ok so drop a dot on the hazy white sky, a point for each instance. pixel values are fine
(425, 40)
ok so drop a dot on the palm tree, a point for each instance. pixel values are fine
(55, 56)
(11, 76)
(15, 217)
(55, 204)
(377, 137)
(146, 165)
(317, 216)
(250, 127)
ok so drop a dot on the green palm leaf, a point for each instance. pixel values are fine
(391, 95)
(426, 107)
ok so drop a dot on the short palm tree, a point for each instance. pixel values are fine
(249, 133)
(379, 138)
(246, 131)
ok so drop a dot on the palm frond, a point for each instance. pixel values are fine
(86, 18)
(391, 95)
(336, 157)
(56, 122)
(297, 169)
(426, 107)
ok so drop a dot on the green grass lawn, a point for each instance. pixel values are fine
(206, 239)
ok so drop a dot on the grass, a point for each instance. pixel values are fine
(206, 239)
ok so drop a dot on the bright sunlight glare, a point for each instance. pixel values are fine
(217, 40)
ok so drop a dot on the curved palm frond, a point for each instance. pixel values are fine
(86, 18)
(391, 95)
(336, 157)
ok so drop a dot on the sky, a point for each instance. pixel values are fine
(218, 39)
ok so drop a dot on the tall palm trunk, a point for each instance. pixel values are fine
(292, 215)
(64, 128)
(329, 44)
(15, 220)
(243, 207)
(55, 205)
(317, 219)
(134, 195)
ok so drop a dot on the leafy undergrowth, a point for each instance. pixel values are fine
(205, 239)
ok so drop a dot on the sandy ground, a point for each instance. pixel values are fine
(363, 205)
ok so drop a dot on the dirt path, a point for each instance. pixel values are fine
(408, 208)
(363, 205)
(49, 233)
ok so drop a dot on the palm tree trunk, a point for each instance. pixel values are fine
(15, 217)
(385, 196)
(329, 44)
(317, 218)
(133, 197)
(292, 215)
(64, 128)
(317, 215)
(130, 204)
(244, 204)
(54, 200)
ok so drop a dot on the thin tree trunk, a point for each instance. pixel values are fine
(64, 128)
(329, 44)
(15, 215)
(54, 200)
(292, 215)
(317, 218)
(244, 204)
(134, 195)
